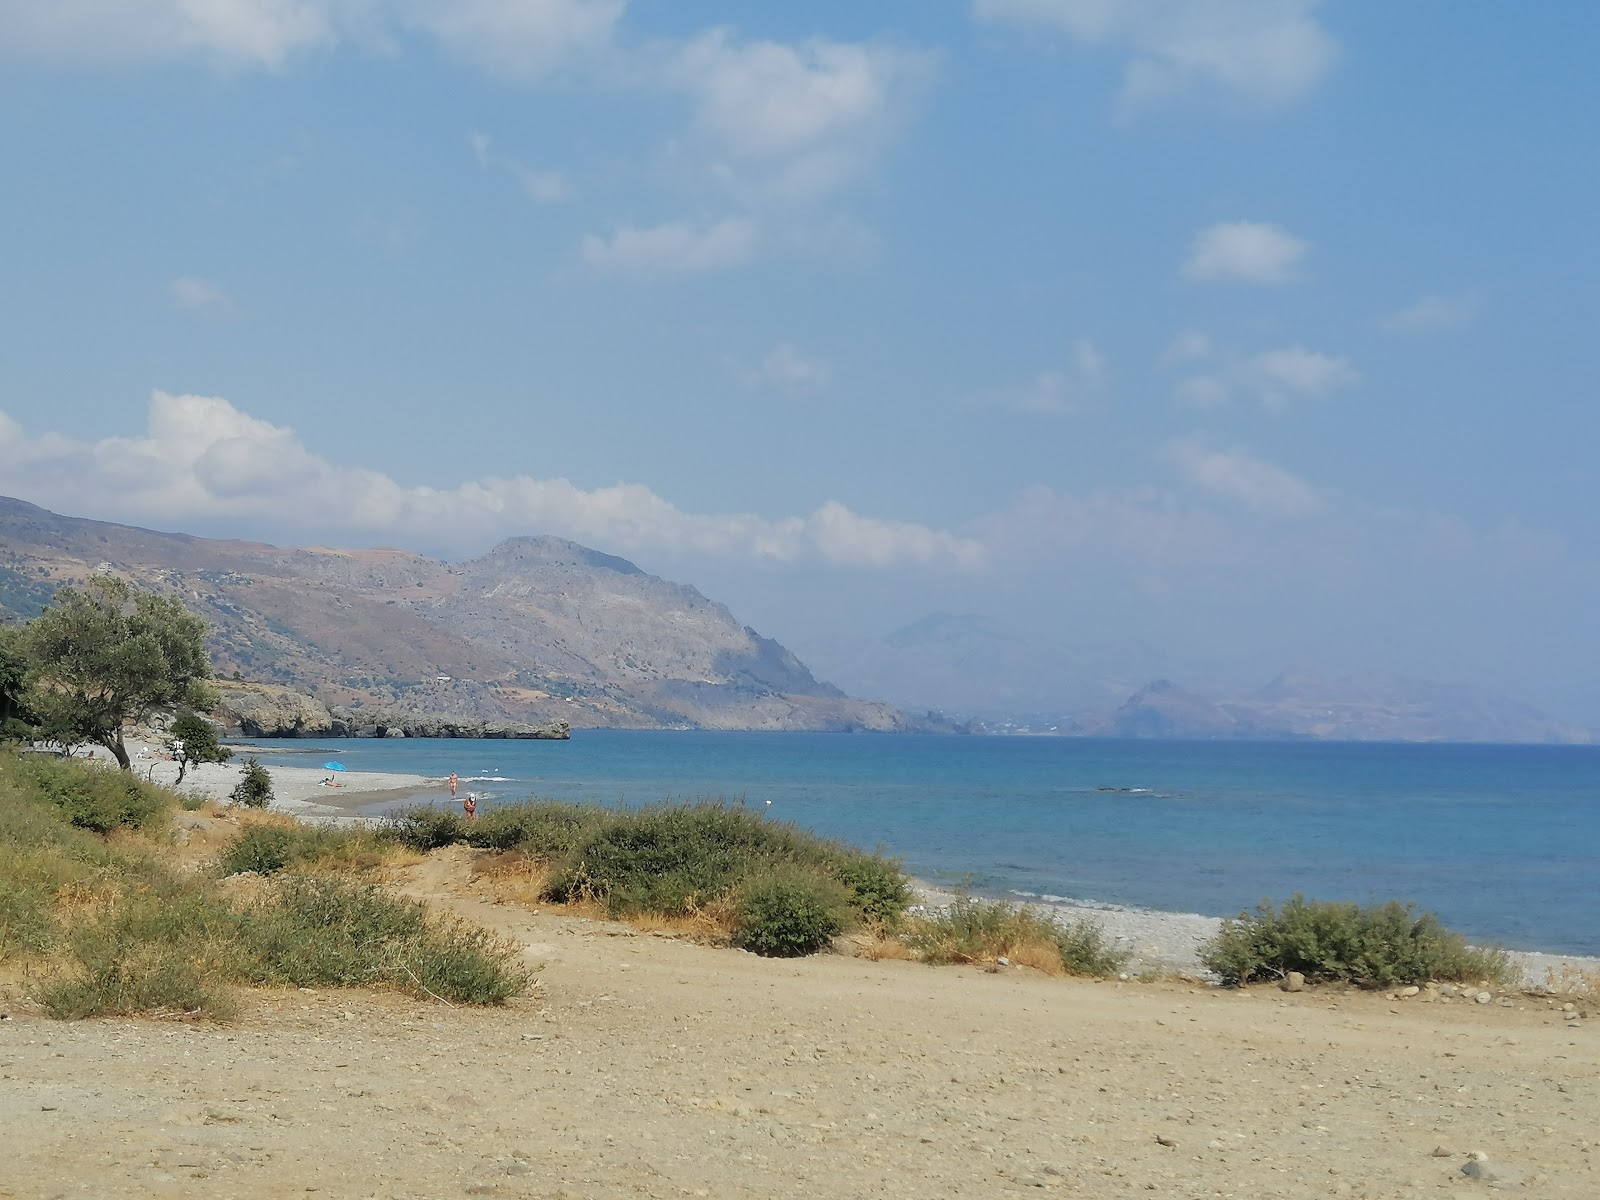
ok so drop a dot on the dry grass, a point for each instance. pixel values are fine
(878, 944)
(510, 877)
(711, 924)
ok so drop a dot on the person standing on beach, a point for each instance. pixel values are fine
(470, 806)
(452, 785)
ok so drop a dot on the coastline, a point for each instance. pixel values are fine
(1159, 941)
(1170, 942)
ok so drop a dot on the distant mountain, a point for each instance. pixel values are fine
(1302, 705)
(975, 666)
(1007, 681)
(535, 630)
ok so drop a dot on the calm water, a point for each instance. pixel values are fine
(1502, 841)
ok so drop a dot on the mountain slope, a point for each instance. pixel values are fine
(537, 629)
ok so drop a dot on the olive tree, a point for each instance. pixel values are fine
(193, 741)
(13, 671)
(104, 655)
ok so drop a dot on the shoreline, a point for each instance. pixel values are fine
(1159, 940)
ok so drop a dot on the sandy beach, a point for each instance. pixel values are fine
(644, 1066)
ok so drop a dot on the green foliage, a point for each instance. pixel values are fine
(790, 913)
(672, 859)
(14, 723)
(879, 890)
(254, 789)
(1377, 946)
(425, 829)
(315, 932)
(1084, 950)
(264, 849)
(103, 655)
(193, 741)
(111, 930)
(90, 796)
(268, 849)
(973, 930)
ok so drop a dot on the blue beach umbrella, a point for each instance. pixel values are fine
(333, 766)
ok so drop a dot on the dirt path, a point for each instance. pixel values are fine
(650, 1067)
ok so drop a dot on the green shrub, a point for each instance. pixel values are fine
(1377, 946)
(314, 932)
(671, 859)
(165, 981)
(91, 796)
(156, 941)
(540, 830)
(425, 829)
(878, 887)
(973, 930)
(264, 849)
(1085, 951)
(254, 789)
(790, 913)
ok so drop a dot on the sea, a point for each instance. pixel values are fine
(1503, 842)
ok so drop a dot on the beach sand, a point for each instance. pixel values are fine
(298, 791)
(644, 1066)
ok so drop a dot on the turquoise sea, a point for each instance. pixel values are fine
(1502, 841)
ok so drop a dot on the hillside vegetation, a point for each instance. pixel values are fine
(100, 918)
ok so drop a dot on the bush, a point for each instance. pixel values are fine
(112, 930)
(879, 889)
(267, 849)
(254, 789)
(314, 932)
(790, 913)
(90, 796)
(425, 829)
(972, 930)
(1374, 947)
(264, 849)
(671, 860)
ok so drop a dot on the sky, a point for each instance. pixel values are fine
(1254, 334)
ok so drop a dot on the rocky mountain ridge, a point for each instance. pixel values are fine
(1304, 706)
(538, 630)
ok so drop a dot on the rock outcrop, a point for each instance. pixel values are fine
(367, 723)
(272, 710)
(265, 710)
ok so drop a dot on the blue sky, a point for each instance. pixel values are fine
(1257, 332)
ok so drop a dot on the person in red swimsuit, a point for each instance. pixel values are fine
(470, 807)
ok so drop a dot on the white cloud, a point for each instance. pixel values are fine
(258, 33)
(1070, 390)
(1276, 378)
(1435, 314)
(1280, 376)
(1238, 476)
(1266, 53)
(1244, 252)
(201, 458)
(518, 39)
(792, 123)
(544, 187)
(785, 369)
(675, 248)
(197, 295)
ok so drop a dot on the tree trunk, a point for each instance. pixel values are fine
(114, 744)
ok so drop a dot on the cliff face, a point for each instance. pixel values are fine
(537, 630)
